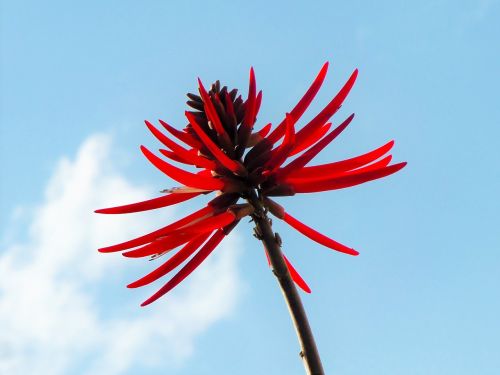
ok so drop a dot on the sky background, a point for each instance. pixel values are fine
(77, 81)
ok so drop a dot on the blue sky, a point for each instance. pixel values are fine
(79, 78)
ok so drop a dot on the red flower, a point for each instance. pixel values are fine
(236, 161)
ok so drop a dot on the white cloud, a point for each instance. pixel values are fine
(55, 316)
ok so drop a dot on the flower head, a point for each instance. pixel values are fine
(235, 161)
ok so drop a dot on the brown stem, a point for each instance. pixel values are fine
(264, 232)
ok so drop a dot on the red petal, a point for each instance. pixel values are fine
(319, 178)
(230, 109)
(159, 246)
(179, 175)
(206, 225)
(283, 151)
(344, 165)
(182, 136)
(346, 180)
(296, 276)
(159, 232)
(329, 110)
(258, 102)
(249, 118)
(174, 238)
(258, 136)
(302, 105)
(211, 111)
(246, 127)
(204, 252)
(293, 273)
(171, 263)
(214, 149)
(312, 139)
(316, 236)
(150, 204)
(173, 156)
(307, 156)
(181, 151)
(384, 162)
(265, 130)
(194, 161)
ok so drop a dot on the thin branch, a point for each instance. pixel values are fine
(272, 243)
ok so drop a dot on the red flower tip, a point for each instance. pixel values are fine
(186, 178)
(316, 236)
(233, 165)
(297, 279)
(296, 276)
(150, 204)
(265, 130)
(171, 263)
(345, 180)
(199, 257)
(223, 153)
(307, 156)
(302, 105)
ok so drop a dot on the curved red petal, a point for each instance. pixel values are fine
(159, 246)
(302, 105)
(230, 109)
(384, 162)
(210, 111)
(171, 263)
(173, 156)
(246, 126)
(213, 148)
(329, 110)
(184, 177)
(258, 102)
(187, 155)
(159, 232)
(307, 156)
(319, 178)
(301, 145)
(265, 130)
(346, 180)
(150, 204)
(175, 237)
(199, 257)
(204, 225)
(280, 154)
(297, 279)
(296, 276)
(194, 160)
(344, 165)
(316, 236)
(182, 136)
(249, 117)
(255, 138)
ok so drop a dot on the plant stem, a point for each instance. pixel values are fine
(264, 232)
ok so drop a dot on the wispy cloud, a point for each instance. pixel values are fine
(54, 315)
